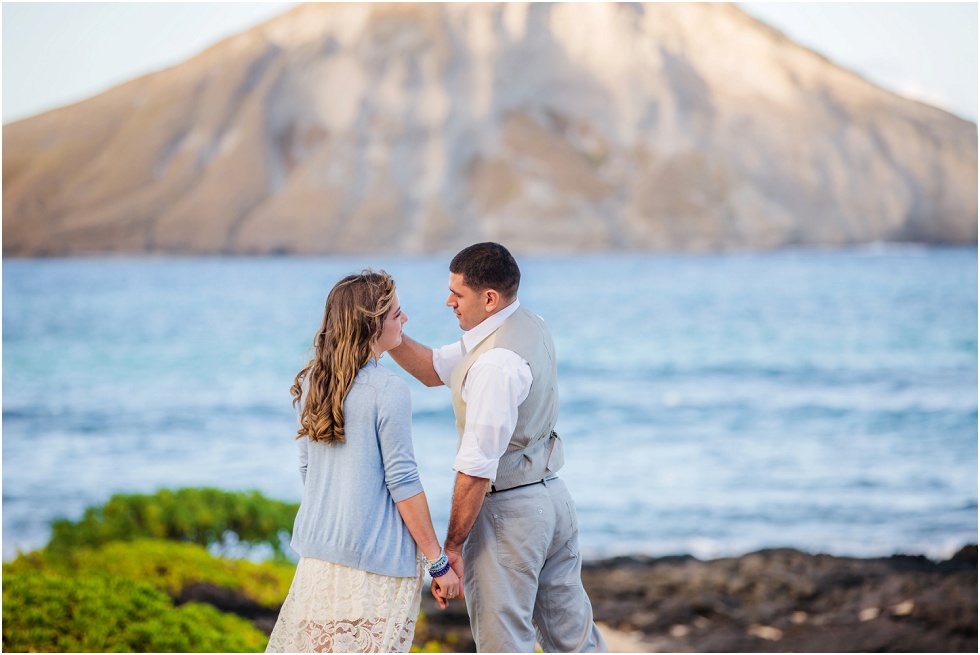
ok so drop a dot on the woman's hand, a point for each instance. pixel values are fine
(445, 587)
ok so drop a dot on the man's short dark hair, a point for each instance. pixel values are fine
(488, 266)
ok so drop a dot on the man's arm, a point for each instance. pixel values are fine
(468, 497)
(417, 360)
(497, 383)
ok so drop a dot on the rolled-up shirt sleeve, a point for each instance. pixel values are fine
(395, 439)
(496, 385)
(444, 360)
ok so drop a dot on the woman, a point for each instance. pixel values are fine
(363, 530)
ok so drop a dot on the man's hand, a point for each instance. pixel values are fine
(456, 564)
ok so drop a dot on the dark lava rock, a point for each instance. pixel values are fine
(450, 626)
(787, 600)
(774, 600)
(229, 600)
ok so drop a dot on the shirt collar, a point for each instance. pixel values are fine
(473, 337)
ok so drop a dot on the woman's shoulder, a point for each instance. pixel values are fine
(382, 379)
(377, 387)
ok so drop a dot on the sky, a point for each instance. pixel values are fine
(59, 53)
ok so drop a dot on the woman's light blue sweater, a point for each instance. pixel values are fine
(348, 514)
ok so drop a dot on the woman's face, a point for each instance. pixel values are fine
(391, 329)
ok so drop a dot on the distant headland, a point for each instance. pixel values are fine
(417, 128)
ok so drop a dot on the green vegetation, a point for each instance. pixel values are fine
(42, 613)
(209, 517)
(109, 581)
(168, 566)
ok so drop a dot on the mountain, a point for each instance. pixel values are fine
(358, 128)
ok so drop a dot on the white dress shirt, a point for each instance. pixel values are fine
(497, 383)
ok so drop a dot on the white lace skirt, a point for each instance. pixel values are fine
(333, 608)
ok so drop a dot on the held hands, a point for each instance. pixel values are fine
(442, 588)
(456, 562)
(445, 587)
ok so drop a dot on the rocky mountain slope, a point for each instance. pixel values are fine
(354, 128)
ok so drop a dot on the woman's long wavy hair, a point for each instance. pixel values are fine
(352, 322)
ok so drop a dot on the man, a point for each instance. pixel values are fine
(512, 521)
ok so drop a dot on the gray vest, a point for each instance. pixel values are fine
(534, 451)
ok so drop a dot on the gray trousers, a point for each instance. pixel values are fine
(524, 571)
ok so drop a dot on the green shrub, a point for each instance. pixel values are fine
(105, 583)
(46, 613)
(209, 517)
(166, 565)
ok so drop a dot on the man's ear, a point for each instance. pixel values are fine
(491, 300)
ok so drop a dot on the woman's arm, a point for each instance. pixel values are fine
(303, 442)
(304, 457)
(415, 513)
(402, 476)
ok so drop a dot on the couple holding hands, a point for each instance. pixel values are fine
(363, 530)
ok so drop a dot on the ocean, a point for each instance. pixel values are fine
(711, 404)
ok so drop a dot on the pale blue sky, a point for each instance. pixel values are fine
(59, 53)
(922, 50)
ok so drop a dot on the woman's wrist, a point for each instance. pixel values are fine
(436, 563)
(439, 567)
(438, 573)
(430, 555)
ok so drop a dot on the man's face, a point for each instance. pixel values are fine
(469, 305)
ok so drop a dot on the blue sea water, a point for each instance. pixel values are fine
(710, 404)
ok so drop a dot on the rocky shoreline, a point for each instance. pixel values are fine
(767, 601)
